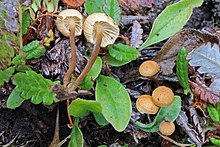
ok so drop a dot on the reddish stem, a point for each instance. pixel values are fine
(91, 61)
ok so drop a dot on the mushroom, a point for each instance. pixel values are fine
(144, 104)
(166, 128)
(70, 26)
(149, 68)
(162, 96)
(73, 3)
(100, 30)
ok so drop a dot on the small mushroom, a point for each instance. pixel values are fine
(145, 104)
(163, 96)
(149, 68)
(73, 3)
(70, 26)
(100, 30)
(166, 128)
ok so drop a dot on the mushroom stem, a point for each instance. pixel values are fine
(72, 63)
(99, 34)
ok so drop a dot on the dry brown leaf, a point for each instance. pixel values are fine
(189, 38)
(136, 35)
(146, 3)
(135, 5)
(73, 3)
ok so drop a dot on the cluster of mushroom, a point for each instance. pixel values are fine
(162, 96)
(99, 29)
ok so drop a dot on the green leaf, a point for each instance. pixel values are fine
(100, 119)
(88, 81)
(25, 22)
(169, 113)
(122, 52)
(6, 49)
(34, 86)
(82, 108)
(76, 137)
(170, 21)
(109, 7)
(114, 62)
(34, 50)
(213, 113)
(115, 102)
(14, 100)
(6, 74)
(18, 60)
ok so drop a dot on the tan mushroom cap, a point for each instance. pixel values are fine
(166, 128)
(163, 96)
(144, 104)
(104, 22)
(149, 68)
(70, 16)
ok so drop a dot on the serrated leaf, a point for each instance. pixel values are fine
(35, 87)
(6, 74)
(115, 102)
(94, 72)
(207, 58)
(34, 50)
(100, 119)
(18, 60)
(170, 113)
(14, 100)
(25, 22)
(170, 21)
(76, 137)
(6, 50)
(109, 7)
(82, 108)
(122, 52)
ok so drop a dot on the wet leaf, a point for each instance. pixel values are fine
(34, 50)
(136, 35)
(115, 102)
(169, 113)
(6, 74)
(88, 82)
(109, 7)
(170, 21)
(82, 108)
(189, 38)
(14, 100)
(33, 86)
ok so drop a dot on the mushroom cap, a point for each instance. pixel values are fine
(162, 96)
(149, 68)
(104, 22)
(70, 16)
(144, 104)
(73, 3)
(166, 128)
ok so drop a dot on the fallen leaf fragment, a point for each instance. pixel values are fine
(189, 38)
(136, 35)
(73, 3)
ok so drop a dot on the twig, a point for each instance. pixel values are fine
(173, 141)
(56, 138)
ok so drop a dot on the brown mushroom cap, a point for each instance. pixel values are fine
(144, 104)
(70, 16)
(166, 128)
(103, 22)
(73, 3)
(149, 68)
(163, 96)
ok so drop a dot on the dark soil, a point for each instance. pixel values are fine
(33, 125)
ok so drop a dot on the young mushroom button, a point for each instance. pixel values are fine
(70, 26)
(100, 30)
(144, 104)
